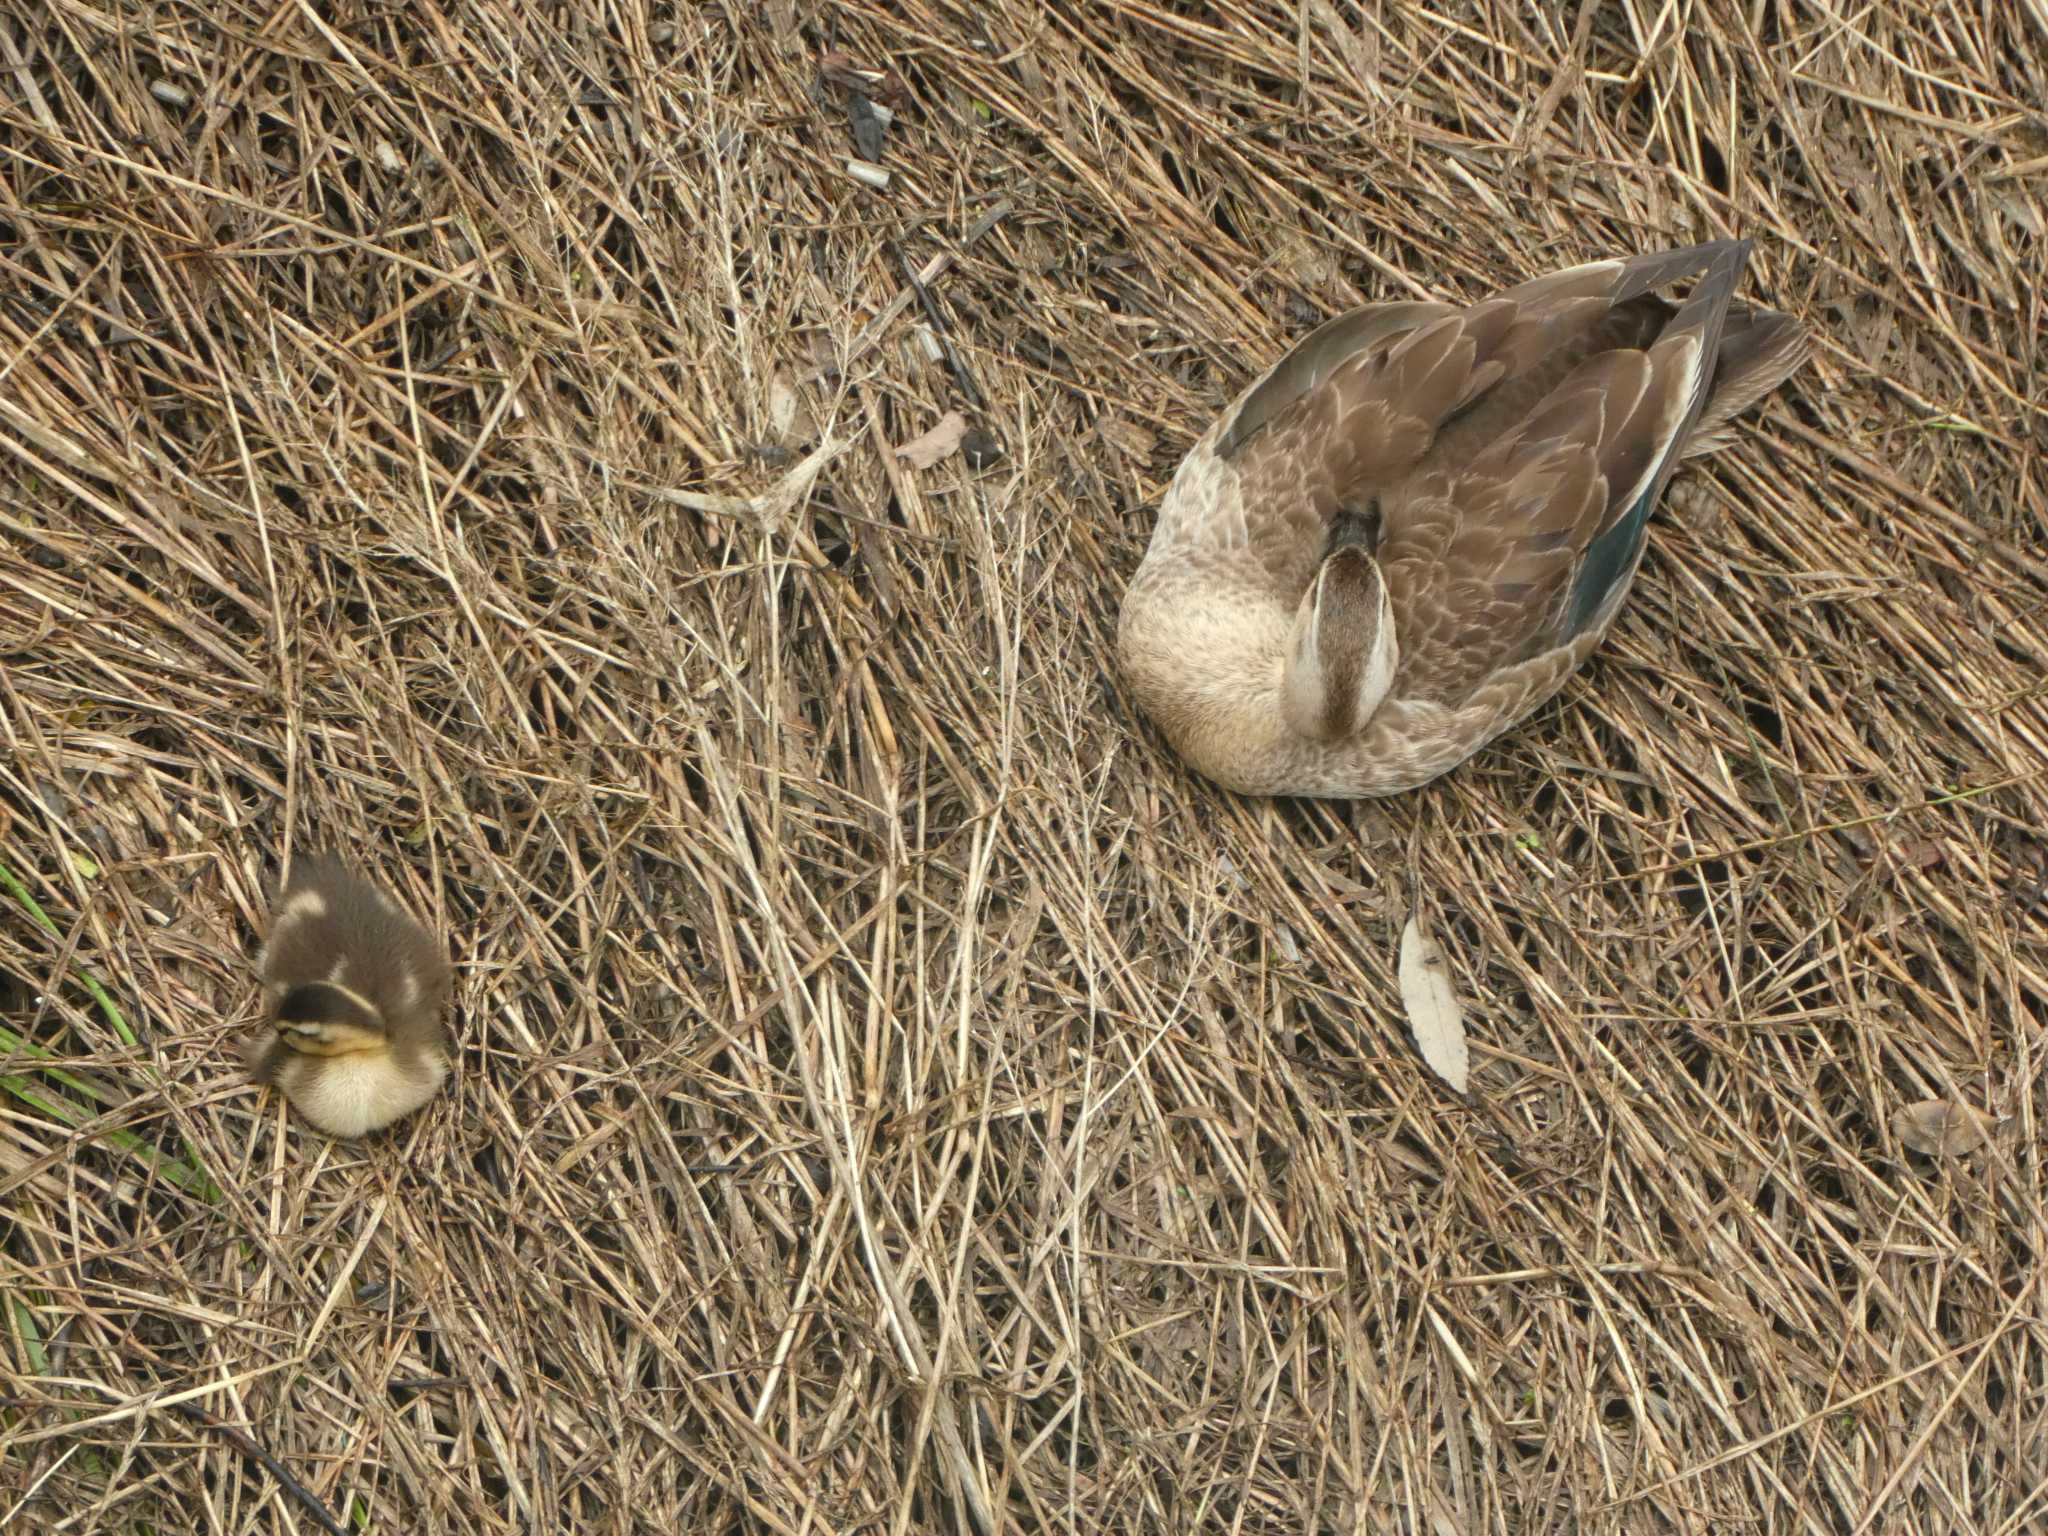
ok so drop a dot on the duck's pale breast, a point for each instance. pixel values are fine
(351, 1096)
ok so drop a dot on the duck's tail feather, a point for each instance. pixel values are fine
(1610, 559)
(1760, 349)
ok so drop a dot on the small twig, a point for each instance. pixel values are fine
(940, 329)
(240, 1440)
(933, 270)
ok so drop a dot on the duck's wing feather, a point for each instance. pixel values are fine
(1523, 530)
(1310, 362)
(1513, 451)
(1760, 349)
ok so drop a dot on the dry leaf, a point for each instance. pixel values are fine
(1433, 1012)
(2021, 213)
(781, 404)
(870, 129)
(884, 85)
(1941, 1127)
(1924, 853)
(942, 442)
(1129, 438)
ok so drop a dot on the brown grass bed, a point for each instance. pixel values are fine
(894, 1095)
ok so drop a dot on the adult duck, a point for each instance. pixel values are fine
(1417, 524)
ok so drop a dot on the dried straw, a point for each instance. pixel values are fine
(461, 435)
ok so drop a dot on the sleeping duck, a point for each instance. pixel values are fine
(1411, 530)
(357, 988)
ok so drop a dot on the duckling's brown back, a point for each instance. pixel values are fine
(331, 926)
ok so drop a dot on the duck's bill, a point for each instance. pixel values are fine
(315, 1038)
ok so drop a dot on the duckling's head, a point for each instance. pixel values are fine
(330, 1053)
(324, 1018)
(1342, 653)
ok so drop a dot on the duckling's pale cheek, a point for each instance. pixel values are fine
(302, 906)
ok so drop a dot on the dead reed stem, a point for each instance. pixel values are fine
(459, 434)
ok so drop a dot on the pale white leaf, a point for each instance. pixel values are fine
(781, 403)
(1433, 1011)
(2020, 212)
(1942, 1127)
(942, 442)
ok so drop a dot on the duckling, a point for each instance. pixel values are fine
(1413, 528)
(357, 987)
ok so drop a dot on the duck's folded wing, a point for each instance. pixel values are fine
(1349, 339)
(1264, 480)
(1522, 529)
(1346, 415)
(1510, 453)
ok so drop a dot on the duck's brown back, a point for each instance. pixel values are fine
(1510, 452)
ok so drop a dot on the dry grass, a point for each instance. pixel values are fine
(1083, 1177)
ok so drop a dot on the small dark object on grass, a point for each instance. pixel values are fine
(869, 131)
(980, 447)
(941, 330)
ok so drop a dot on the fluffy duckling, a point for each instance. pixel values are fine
(357, 988)
(1420, 521)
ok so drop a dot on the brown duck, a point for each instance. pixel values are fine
(357, 987)
(1408, 533)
